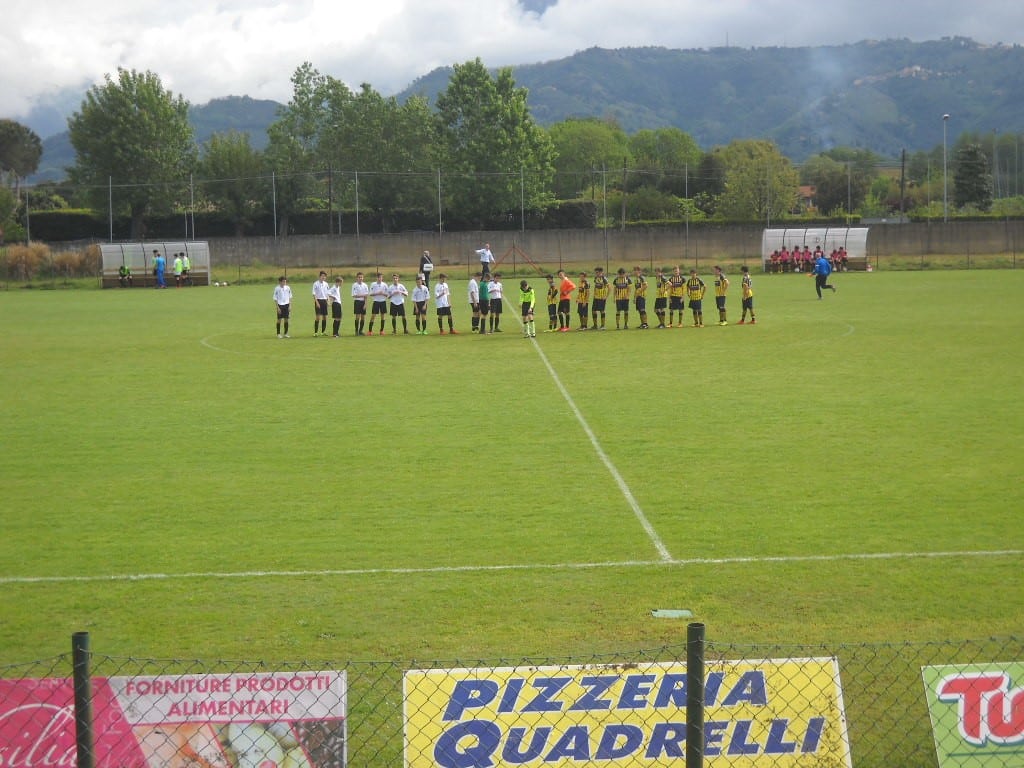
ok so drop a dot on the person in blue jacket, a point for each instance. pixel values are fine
(822, 269)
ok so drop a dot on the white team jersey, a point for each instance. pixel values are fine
(494, 290)
(321, 289)
(335, 293)
(283, 294)
(442, 295)
(397, 293)
(420, 293)
(379, 290)
(360, 290)
(474, 291)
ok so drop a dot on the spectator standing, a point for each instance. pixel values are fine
(159, 267)
(426, 267)
(486, 259)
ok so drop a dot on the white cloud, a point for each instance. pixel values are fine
(251, 47)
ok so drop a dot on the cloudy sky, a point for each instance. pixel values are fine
(52, 51)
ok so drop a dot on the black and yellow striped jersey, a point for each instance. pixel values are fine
(552, 294)
(721, 284)
(639, 286)
(664, 286)
(621, 286)
(601, 287)
(583, 292)
(748, 286)
(678, 285)
(695, 289)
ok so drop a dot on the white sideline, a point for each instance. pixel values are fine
(509, 567)
(612, 469)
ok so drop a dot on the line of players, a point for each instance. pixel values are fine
(673, 295)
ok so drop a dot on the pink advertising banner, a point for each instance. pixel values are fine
(264, 720)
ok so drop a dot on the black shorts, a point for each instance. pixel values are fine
(495, 306)
(336, 310)
(284, 311)
(599, 305)
(419, 308)
(748, 303)
(398, 310)
(380, 308)
(660, 303)
(321, 306)
(675, 302)
(444, 311)
(474, 307)
(527, 310)
(696, 305)
(552, 311)
(622, 305)
(720, 302)
(485, 307)
(564, 305)
(359, 306)
(641, 303)
(583, 310)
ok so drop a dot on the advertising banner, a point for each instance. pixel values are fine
(264, 720)
(787, 711)
(977, 714)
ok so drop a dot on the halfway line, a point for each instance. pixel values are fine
(626, 492)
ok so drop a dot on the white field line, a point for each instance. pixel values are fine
(612, 469)
(695, 561)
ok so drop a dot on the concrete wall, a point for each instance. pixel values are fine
(696, 246)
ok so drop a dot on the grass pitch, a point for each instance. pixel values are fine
(180, 482)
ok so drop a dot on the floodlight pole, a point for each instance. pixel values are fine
(945, 183)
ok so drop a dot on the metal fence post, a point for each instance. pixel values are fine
(694, 695)
(83, 699)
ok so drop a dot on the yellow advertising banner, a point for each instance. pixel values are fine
(787, 711)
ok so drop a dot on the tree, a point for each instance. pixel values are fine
(584, 148)
(20, 150)
(295, 151)
(489, 141)
(760, 184)
(231, 172)
(972, 181)
(664, 159)
(134, 135)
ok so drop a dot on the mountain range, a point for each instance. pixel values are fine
(884, 96)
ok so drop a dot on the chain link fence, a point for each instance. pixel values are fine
(863, 705)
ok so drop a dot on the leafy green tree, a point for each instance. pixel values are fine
(489, 141)
(708, 184)
(760, 184)
(231, 174)
(584, 149)
(972, 180)
(136, 134)
(20, 150)
(295, 152)
(664, 158)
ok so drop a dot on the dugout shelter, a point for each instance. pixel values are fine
(138, 257)
(853, 239)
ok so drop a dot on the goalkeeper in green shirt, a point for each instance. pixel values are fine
(527, 299)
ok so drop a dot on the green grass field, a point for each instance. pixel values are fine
(181, 483)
